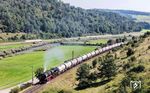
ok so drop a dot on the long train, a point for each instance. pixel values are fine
(52, 73)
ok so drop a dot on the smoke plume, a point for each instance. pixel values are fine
(51, 56)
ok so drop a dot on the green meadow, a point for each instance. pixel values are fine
(145, 30)
(13, 46)
(103, 41)
(17, 69)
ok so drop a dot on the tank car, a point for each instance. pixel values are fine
(84, 57)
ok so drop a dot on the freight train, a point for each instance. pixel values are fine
(52, 73)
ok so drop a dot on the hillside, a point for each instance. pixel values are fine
(53, 18)
(136, 15)
(131, 12)
(133, 67)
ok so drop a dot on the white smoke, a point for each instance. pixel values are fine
(52, 55)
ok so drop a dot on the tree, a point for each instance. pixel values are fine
(83, 73)
(94, 63)
(38, 73)
(107, 68)
(23, 37)
(110, 42)
(130, 52)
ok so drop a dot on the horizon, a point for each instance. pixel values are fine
(134, 5)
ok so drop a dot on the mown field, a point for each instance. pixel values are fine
(145, 30)
(13, 46)
(103, 41)
(67, 82)
(141, 18)
(17, 69)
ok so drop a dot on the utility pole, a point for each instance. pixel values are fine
(72, 54)
(32, 74)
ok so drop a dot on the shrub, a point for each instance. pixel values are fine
(94, 63)
(126, 66)
(64, 91)
(24, 86)
(148, 47)
(130, 52)
(138, 69)
(15, 90)
(133, 58)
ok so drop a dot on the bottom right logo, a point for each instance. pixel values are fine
(135, 85)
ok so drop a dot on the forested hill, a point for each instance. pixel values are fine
(51, 18)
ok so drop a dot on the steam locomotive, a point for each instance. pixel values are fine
(52, 73)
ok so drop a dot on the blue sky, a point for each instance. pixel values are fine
(139, 5)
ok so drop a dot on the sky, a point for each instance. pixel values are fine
(138, 5)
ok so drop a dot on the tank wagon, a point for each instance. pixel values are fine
(52, 73)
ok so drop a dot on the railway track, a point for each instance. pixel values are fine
(33, 89)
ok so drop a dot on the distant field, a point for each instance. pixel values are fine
(103, 41)
(13, 46)
(145, 30)
(17, 69)
(5, 36)
(141, 18)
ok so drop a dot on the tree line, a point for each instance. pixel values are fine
(53, 18)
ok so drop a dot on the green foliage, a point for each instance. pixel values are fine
(93, 76)
(138, 69)
(126, 66)
(110, 42)
(38, 72)
(107, 68)
(15, 90)
(64, 91)
(130, 52)
(132, 59)
(94, 63)
(53, 18)
(146, 35)
(148, 47)
(83, 73)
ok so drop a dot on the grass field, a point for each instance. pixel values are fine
(145, 30)
(103, 41)
(141, 18)
(13, 46)
(17, 69)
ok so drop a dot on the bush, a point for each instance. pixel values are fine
(94, 63)
(126, 66)
(148, 47)
(133, 58)
(130, 52)
(138, 69)
(15, 90)
(64, 91)
(24, 86)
